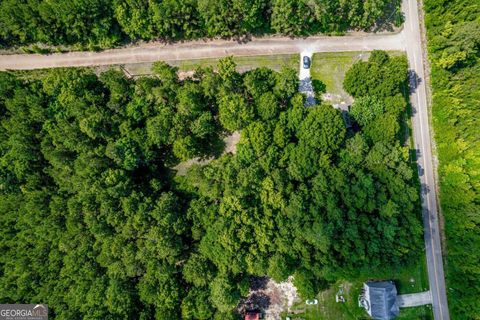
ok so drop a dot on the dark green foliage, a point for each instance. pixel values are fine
(83, 162)
(453, 33)
(296, 17)
(305, 283)
(93, 223)
(380, 76)
(93, 24)
(302, 197)
(86, 22)
(228, 18)
(323, 129)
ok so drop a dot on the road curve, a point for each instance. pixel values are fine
(408, 40)
(421, 138)
(203, 49)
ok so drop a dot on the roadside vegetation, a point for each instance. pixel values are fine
(454, 50)
(94, 222)
(243, 64)
(95, 24)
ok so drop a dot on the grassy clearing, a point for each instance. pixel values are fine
(330, 68)
(275, 62)
(408, 280)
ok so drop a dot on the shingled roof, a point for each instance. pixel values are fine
(381, 298)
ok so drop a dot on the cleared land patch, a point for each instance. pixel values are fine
(407, 280)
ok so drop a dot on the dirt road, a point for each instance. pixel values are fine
(204, 49)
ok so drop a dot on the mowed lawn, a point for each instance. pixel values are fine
(330, 68)
(408, 280)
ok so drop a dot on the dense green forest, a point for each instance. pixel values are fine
(454, 49)
(94, 222)
(104, 23)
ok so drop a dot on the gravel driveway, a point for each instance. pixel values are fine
(305, 85)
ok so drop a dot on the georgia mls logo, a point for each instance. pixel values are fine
(40, 310)
(23, 312)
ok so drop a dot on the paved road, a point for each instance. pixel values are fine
(421, 137)
(409, 40)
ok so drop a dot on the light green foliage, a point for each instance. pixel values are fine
(280, 267)
(125, 153)
(158, 127)
(366, 109)
(224, 294)
(234, 112)
(453, 42)
(135, 18)
(197, 305)
(459, 45)
(258, 136)
(198, 271)
(268, 107)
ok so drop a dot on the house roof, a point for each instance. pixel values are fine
(382, 299)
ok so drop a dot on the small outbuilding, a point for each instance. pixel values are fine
(379, 298)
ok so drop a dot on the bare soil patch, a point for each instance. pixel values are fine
(230, 147)
(269, 297)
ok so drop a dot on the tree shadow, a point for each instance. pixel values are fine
(258, 283)
(243, 38)
(425, 189)
(257, 300)
(213, 147)
(391, 19)
(318, 86)
(421, 171)
(414, 80)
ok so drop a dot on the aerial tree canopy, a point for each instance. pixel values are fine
(94, 24)
(94, 221)
(453, 30)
